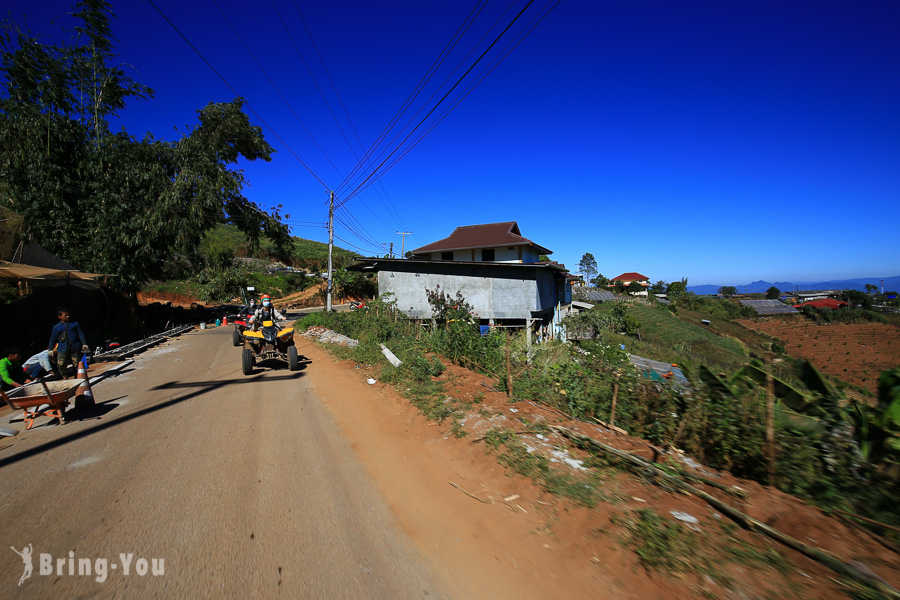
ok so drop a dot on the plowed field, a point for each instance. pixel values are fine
(855, 353)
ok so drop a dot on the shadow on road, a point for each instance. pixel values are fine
(199, 387)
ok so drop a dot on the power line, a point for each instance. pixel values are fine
(278, 91)
(444, 97)
(509, 48)
(225, 81)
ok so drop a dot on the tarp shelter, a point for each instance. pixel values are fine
(30, 273)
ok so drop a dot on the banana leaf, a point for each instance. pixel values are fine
(793, 398)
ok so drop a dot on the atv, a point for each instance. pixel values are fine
(237, 338)
(270, 342)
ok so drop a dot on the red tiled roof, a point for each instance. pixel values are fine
(823, 303)
(490, 235)
(631, 277)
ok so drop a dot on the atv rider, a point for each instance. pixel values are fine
(266, 312)
(249, 309)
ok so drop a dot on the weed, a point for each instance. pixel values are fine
(516, 456)
(660, 544)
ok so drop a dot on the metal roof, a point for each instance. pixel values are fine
(770, 307)
(489, 235)
(599, 296)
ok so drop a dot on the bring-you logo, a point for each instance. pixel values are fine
(98, 568)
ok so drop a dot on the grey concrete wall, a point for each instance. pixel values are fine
(506, 294)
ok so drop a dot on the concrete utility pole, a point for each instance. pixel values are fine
(403, 242)
(391, 251)
(330, 248)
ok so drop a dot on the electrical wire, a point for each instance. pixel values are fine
(448, 48)
(278, 91)
(225, 81)
(389, 206)
(509, 48)
(360, 186)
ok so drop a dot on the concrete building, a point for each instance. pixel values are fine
(627, 278)
(496, 270)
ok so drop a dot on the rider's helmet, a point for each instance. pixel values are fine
(266, 301)
(252, 302)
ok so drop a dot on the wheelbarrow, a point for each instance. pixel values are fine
(44, 398)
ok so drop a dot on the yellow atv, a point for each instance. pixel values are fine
(269, 342)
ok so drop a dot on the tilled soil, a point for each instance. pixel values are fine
(853, 352)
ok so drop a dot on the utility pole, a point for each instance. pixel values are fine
(391, 252)
(403, 242)
(330, 248)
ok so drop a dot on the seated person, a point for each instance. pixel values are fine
(11, 374)
(266, 312)
(38, 365)
(247, 311)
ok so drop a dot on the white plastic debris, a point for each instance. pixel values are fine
(370, 381)
(390, 356)
(686, 518)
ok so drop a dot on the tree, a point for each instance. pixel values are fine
(773, 293)
(108, 202)
(588, 266)
(659, 287)
(620, 286)
(857, 298)
(727, 291)
(676, 289)
(600, 281)
(871, 288)
(634, 288)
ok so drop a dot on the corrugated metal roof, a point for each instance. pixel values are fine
(770, 307)
(489, 235)
(599, 296)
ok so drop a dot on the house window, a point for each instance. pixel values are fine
(487, 254)
(446, 256)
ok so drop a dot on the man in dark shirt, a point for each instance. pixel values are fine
(66, 340)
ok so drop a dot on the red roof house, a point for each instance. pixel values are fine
(824, 303)
(491, 242)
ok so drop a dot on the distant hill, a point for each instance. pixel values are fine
(757, 287)
(307, 253)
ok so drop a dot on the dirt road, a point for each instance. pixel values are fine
(200, 482)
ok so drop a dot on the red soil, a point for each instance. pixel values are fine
(853, 352)
(516, 540)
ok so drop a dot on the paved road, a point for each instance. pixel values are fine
(236, 486)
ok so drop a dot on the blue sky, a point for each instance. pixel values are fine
(725, 142)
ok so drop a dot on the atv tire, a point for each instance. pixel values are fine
(236, 338)
(293, 359)
(247, 361)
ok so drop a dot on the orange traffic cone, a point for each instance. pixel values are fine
(84, 396)
(225, 320)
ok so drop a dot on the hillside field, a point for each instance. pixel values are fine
(853, 352)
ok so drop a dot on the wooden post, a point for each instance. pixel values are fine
(770, 418)
(612, 411)
(509, 381)
(528, 323)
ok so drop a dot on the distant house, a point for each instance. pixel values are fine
(627, 278)
(807, 296)
(495, 268)
(824, 303)
(770, 307)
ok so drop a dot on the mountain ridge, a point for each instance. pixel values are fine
(890, 284)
